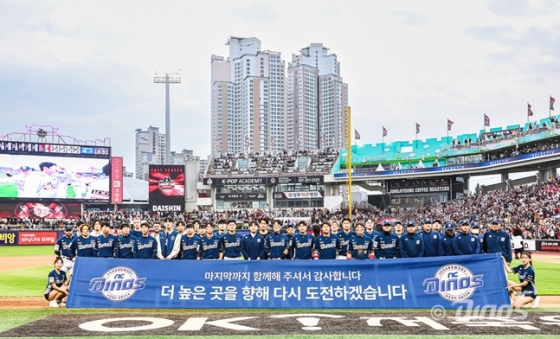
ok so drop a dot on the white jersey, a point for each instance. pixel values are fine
(39, 185)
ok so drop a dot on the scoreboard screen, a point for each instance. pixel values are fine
(39, 171)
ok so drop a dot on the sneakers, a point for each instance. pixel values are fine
(53, 304)
(536, 302)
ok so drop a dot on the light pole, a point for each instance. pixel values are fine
(169, 78)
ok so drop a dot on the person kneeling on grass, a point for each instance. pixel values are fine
(526, 289)
(57, 287)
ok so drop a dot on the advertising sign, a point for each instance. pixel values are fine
(167, 188)
(117, 180)
(31, 210)
(37, 238)
(8, 238)
(299, 195)
(240, 196)
(313, 284)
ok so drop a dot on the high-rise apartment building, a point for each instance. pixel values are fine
(248, 99)
(316, 101)
(150, 149)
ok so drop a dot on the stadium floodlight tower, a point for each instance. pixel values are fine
(169, 78)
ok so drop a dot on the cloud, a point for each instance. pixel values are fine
(524, 8)
(256, 13)
(410, 19)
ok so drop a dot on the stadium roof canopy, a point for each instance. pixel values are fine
(135, 190)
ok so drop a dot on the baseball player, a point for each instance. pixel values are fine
(276, 244)
(497, 241)
(222, 228)
(446, 242)
(386, 245)
(166, 239)
(126, 243)
(430, 238)
(106, 244)
(398, 228)
(62, 249)
(190, 244)
(176, 251)
(360, 245)
(84, 245)
(370, 229)
(436, 227)
(230, 244)
(335, 227)
(135, 231)
(465, 242)
(146, 245)
(475, 229)
(411, 244)
(210, 244)
(302, 243)
(253, 243)
(345, 235)
(326, 245)
(290, 232)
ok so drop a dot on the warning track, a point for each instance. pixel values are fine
(82, 325)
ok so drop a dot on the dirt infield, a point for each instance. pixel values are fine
(24, 262)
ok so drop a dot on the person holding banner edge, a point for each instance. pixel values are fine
(526, 290)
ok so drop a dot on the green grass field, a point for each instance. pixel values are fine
(16, 251)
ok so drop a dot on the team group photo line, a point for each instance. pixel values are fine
(193, 241)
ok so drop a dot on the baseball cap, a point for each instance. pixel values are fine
(387, 222)
(428, 221)
(290, 225)
(449, 226)
(494, 220)
(475, 224)
(465, 222)
(410, 223)
(437, 220)
(397, 222)
(68, 227)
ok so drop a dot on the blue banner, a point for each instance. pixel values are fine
(399, 283)
(486, 164)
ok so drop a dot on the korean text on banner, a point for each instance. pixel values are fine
(117, 180)
(402, 283)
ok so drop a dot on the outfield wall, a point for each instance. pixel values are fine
(29, 237)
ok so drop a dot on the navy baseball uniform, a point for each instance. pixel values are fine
(431, 243)
(411, 245)
(498, 242)
(252, 247)
(466, 244)
(386, 246)
(190, 247)
(210, 247)
(126, 247)
(275, 245)
(302, 244)
(106, 246)
(360, 246)
(230, 245)
(146, 248)
(327, 247)
(84, 247)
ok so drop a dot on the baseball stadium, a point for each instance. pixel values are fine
(110, 246)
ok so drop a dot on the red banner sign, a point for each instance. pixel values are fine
(116, 180)
(37, 238)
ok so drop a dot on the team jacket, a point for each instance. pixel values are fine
(498, 242)
(466, 244)
(411, 245)
(386, 245)
(210, 247)
(431, 243)
(302, 246)
(446, 245)
(345, 240)
(62, 247)
(190, 247)
(126, 247)
(231, 245)
(106, 246)
(146, 248)
(328, 247)
(252, 247)
(84, 247)
(275, 245)
(372, 234)
(166, 243)
(360, 247)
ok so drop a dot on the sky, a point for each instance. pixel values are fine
(87, 67)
